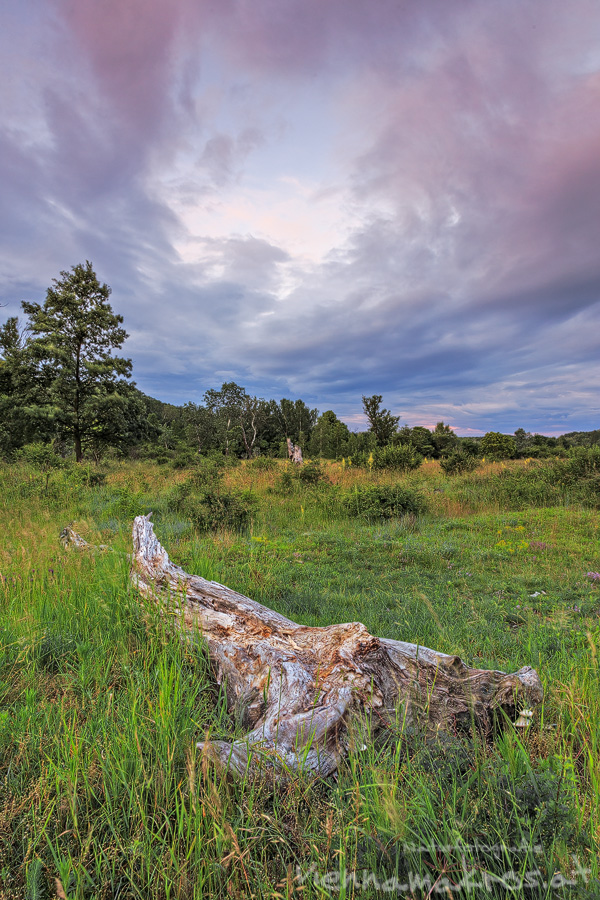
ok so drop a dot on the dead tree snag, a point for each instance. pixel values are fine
(294, 452)
(298, 687)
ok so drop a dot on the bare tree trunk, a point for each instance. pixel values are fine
(299, 689)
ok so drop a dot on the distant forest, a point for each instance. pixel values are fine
(62, 386)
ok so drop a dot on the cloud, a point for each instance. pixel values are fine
(328, 199)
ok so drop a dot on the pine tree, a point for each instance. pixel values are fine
(70, 348)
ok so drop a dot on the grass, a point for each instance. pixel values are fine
(102, 793)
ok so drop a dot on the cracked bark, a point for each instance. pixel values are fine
(299, 689)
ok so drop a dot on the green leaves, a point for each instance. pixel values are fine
(381, 422)
(69, 356)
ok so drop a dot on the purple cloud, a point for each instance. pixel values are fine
(401, 198)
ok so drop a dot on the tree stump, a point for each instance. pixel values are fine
(298, 688)
(294, 452)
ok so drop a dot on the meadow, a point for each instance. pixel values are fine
(102, 792)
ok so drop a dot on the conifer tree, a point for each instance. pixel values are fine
(72, 336)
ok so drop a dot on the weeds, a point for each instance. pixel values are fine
(102, 792)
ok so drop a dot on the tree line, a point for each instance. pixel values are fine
(62, 383)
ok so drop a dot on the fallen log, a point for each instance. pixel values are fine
(70, 538)
(298, 689)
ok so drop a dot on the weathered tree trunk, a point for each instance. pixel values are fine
(298, 689)
(294, 452)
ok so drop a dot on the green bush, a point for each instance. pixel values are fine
(128, 503)
(495, 445)
(542, 485)
(294, 477)
(44, 459)
(535, 806)
(458, 462)
(285, 483)
(41, 456)
(521, 488)
(310, 473)
(214, 510)
(56, 650)
(393, 457)
(262, 464)
(398, 458)
(79, 475)
(208, 505)
(581, 462)
(377, 502)
(184, 458)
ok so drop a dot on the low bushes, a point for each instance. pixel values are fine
(262, 464)
(395, 458)
(458, 463)
(377, 502)
(572, 480)
(310, 475)
(209, 505)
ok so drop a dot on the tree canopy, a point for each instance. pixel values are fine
(67, 369)
(61, 382)
(381, 422)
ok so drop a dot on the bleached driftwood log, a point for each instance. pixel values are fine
(70, 538)
(299, 688)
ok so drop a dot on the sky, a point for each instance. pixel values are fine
(320, 198)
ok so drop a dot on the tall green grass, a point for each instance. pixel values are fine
(102, 792)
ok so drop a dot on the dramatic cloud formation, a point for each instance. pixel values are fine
(320, 198)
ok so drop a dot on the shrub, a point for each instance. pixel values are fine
(535, 806)
(184, 458)
(56, 650)
(310, 473)
(208, 505)
(78, 475)
(582, 462)
(495, 445)
(128, 503)
(393, 457)
(213, 510)
(458, 462)
(383, 502)
(285, 483)
(539, 485)
(520, 488)
(262, 464)
(41, 456)
(398, 458)
(578, 475)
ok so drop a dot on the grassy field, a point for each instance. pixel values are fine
(102, 793)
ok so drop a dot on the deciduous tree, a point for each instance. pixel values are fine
(444, 440)
(495, 445)
(330, 437)
(238, 416)
(381, 422)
